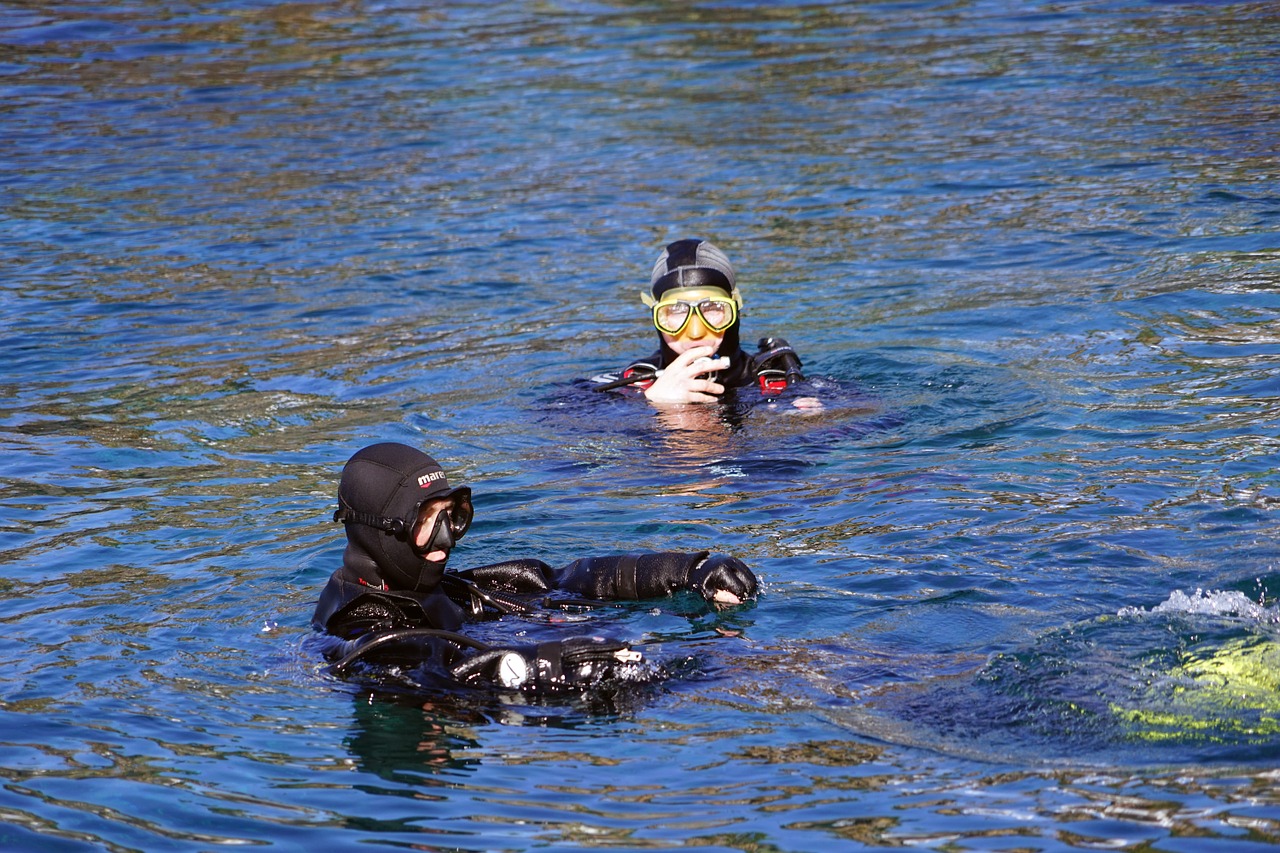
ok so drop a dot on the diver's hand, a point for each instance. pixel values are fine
(724, 581)
(682, 381)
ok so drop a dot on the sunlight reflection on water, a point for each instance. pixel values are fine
(1019, 573)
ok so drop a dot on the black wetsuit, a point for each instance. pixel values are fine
(384, 626)
(388, 604)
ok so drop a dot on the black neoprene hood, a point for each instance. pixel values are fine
(390, 481)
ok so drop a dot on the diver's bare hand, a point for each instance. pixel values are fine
(683, 381)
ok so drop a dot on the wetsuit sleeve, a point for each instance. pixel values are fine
(523, 577)
(655, 575)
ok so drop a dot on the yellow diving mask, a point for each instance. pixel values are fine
(672, 313)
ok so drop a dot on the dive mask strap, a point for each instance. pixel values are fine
(456, 518)
(691, 277)
(347, 515)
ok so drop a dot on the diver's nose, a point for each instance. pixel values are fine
(696, 329)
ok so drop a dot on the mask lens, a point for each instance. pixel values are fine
(461, 513)
(717, 314)
(671, 317)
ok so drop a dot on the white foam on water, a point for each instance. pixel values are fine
(1210, 603)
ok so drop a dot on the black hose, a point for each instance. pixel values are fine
(640, 376)
(390, 636)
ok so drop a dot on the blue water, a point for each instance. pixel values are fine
(1020, 576)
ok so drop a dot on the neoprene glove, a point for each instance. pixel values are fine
(722, 572)
(655, 575)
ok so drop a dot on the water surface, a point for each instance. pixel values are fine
(1020, 577)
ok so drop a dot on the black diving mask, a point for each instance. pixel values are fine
(449, 514)
(451, 510)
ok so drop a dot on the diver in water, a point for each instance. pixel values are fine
(394, 602)
(695, 305)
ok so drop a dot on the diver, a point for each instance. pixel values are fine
(695, 305)
(393, 602)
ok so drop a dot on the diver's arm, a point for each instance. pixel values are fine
(718, 578)
(499, 588)
(524, 577)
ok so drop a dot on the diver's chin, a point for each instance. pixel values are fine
(436, 557)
